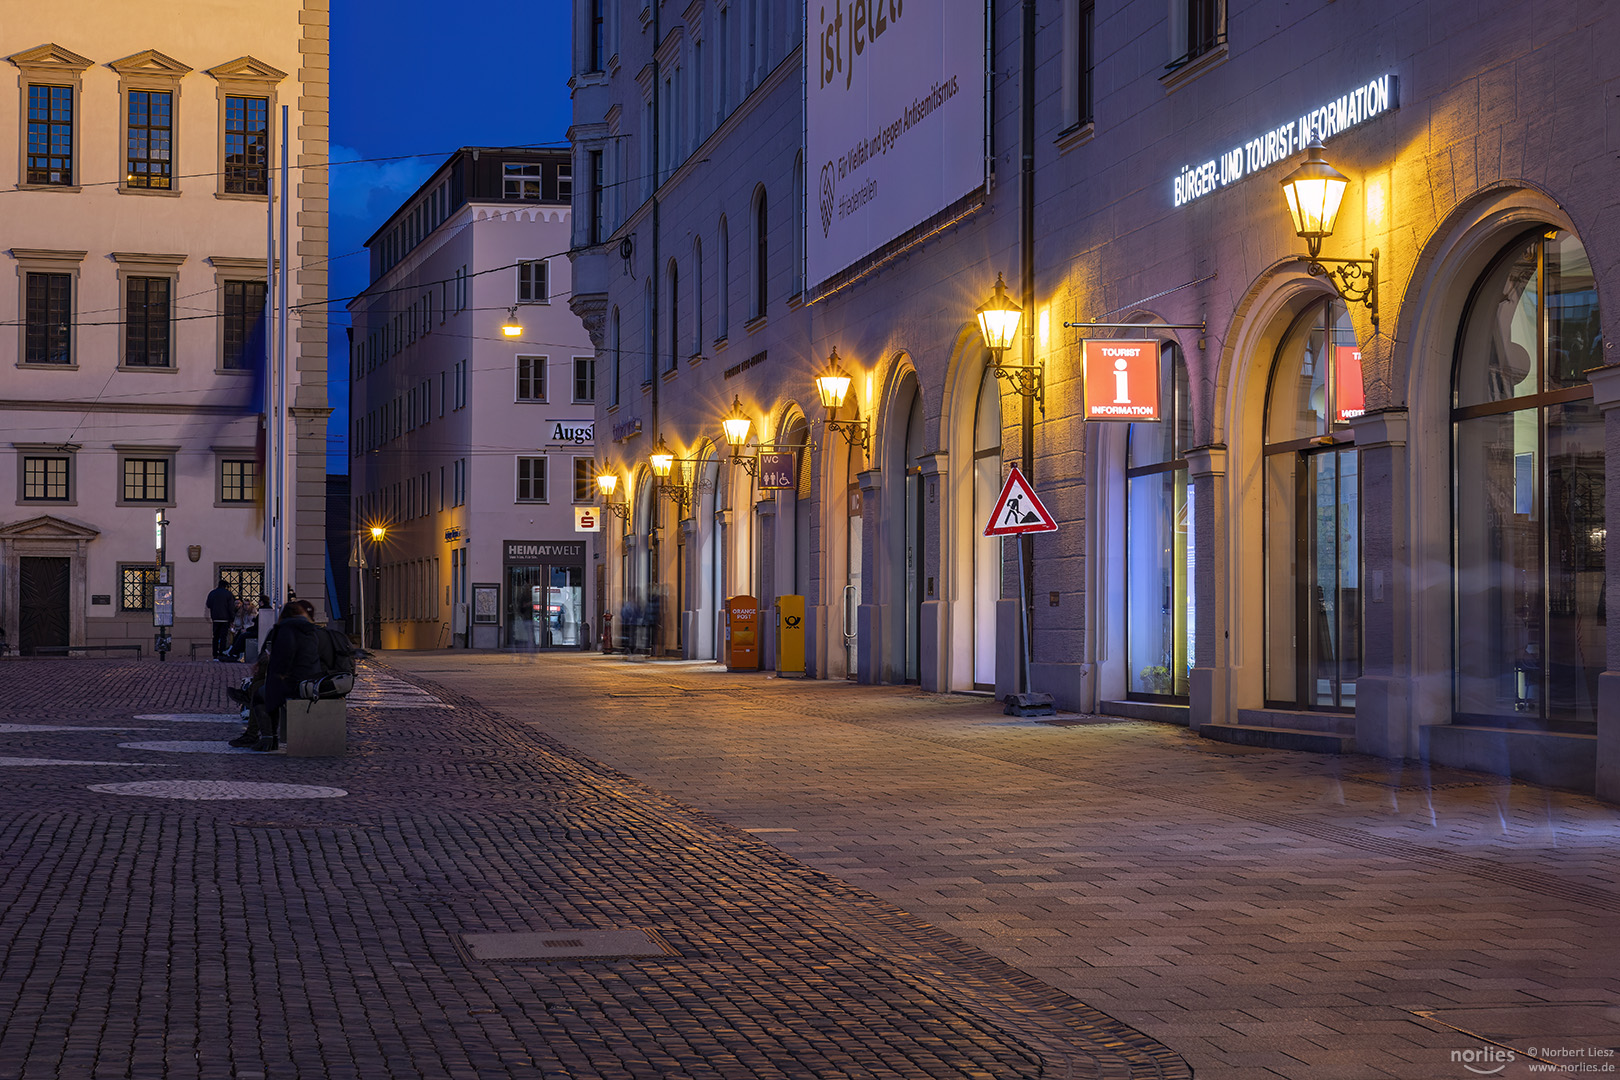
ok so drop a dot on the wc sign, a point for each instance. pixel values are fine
(1121, 379)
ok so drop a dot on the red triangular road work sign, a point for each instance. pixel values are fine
(1018, 510)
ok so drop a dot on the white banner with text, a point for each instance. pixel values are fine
(894, 121)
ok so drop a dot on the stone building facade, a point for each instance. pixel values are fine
(1372, 515)
(133, 219)
(471, 448)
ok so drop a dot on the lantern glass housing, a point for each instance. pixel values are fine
(998, 318)
(661, 459)
(1314, 192)
(378, 532)
(833, 384)
(607, 483)
(736, 425)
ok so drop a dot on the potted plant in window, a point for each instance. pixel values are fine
(1155, 679)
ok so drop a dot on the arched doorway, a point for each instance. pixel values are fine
(1159, 546)
(639, 561)
(1528, 493)
(987, 550)
(905, 536)
(1313, 514)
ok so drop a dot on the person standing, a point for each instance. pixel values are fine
(221, 609)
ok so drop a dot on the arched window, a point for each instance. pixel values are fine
(614, 347)
(649, 336)
(1529, 488)
(761, 261)
(697, 296)
(723, 270)
(674, 314)
(986, 549)
(798, 224)
(1158, 542)
(1313, 514)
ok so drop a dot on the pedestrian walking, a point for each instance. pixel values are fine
(221, 605)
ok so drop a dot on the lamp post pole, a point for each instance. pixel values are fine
(360, 553)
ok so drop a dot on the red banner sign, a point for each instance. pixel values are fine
(1122, 379)
(1349, 398)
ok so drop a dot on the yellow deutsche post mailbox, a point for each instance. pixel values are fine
(790, 635)
(742, 634)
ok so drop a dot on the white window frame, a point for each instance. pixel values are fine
(529, 290)
(521, 180)
(519, 480)
(537, 372)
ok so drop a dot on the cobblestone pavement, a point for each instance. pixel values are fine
(171, 908)
(1261, 913)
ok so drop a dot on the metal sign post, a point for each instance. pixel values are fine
(1020, 512)
(162, 590)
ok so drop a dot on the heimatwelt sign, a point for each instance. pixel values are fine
(1269, 147)
(894, 120)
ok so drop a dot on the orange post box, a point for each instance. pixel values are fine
(742, 634)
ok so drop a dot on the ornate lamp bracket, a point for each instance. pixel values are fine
(1356, 280)
(1025, 379)
(855, 432)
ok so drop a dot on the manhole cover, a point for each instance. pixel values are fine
(1568, 1033)
(28, 762)
(566, 945)
(1435, 780)
(17, 729)
(209, 790)
(219, 746)
(193, 718)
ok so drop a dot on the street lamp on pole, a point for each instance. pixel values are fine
(378, 532)
(998, 323)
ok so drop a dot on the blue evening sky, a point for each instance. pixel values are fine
(414, 80)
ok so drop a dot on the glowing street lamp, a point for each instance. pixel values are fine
(1314, 192)
(661, 459)
(998, 319)
(511, 327)
(736, 425)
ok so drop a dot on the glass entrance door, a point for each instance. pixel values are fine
(1313, 515)
(545, 606)
(1328, 613)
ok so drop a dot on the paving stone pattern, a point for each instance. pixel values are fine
(1261, 913)
(322, 937)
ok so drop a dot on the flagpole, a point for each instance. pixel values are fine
(272, 575)
(281, 382)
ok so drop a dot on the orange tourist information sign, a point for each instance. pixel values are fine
(1121, 379)
(1018, 510)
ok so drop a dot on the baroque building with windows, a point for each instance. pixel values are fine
(473, 390)
(133, 213)
(1371, 512)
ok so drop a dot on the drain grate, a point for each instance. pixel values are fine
(577, 945)
(1434, 780)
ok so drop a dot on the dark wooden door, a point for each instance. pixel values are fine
(43, 607)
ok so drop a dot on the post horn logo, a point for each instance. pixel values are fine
(829, 195)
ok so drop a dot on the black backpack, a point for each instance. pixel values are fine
(337, 667)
